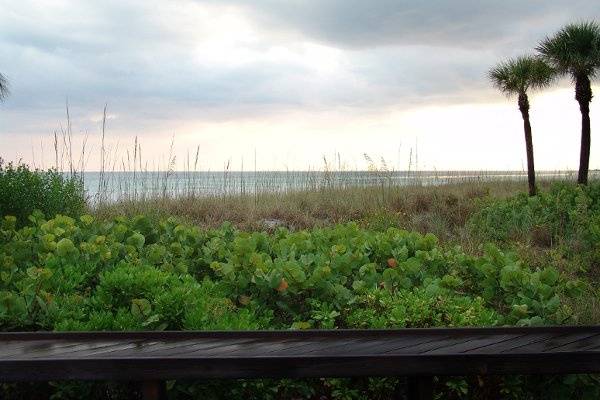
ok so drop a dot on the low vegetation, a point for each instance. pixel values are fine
(471, 254)
(79, 274)
(23, 190)
(137, 273)
(566, 218)
(442, 210)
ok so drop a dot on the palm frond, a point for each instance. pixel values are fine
(520, 74)
(540, 73)
(4, 90)
(574, 50)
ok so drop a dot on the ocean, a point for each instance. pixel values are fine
(110, 186)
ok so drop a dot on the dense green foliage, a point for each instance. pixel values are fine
(70, 274)
(567, 217)
(23, 190)
(574, 49)
(82, 274)
(520, 74)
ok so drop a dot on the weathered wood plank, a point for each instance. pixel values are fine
(562, 341)
(475, 343)
(294, 367)
(150, 356)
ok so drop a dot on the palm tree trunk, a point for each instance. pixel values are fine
(583, 95)
(524, 108)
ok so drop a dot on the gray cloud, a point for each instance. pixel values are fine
(396, 53)
(454, 23)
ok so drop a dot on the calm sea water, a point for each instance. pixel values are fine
(123, 185)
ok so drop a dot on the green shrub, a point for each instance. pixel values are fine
(141, 274)
(566, 217)
(23, 190)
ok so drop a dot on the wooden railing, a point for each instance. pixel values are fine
(153, 357)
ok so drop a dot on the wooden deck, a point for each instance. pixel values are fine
(157, 356)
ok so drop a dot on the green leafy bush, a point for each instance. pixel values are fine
(566, 217)
(23, 190)
(141, 274)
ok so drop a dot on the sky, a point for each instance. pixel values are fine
(284, 84)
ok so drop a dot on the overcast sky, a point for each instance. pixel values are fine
(291, 81)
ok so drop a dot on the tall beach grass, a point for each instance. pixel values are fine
(128, 182)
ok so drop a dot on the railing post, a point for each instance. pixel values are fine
(154, 390)
(420, 388)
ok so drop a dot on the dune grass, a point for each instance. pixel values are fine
(442, 210)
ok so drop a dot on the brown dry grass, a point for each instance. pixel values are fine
(442, 210)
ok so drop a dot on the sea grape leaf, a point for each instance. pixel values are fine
(140, 307)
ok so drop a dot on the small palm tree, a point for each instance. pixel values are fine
(516, 77)
(3, 87)
(575, 51)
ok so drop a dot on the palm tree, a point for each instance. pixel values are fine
(516, 77)
(3, 87)
(575, 51)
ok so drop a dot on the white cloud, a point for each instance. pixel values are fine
(294, 79)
